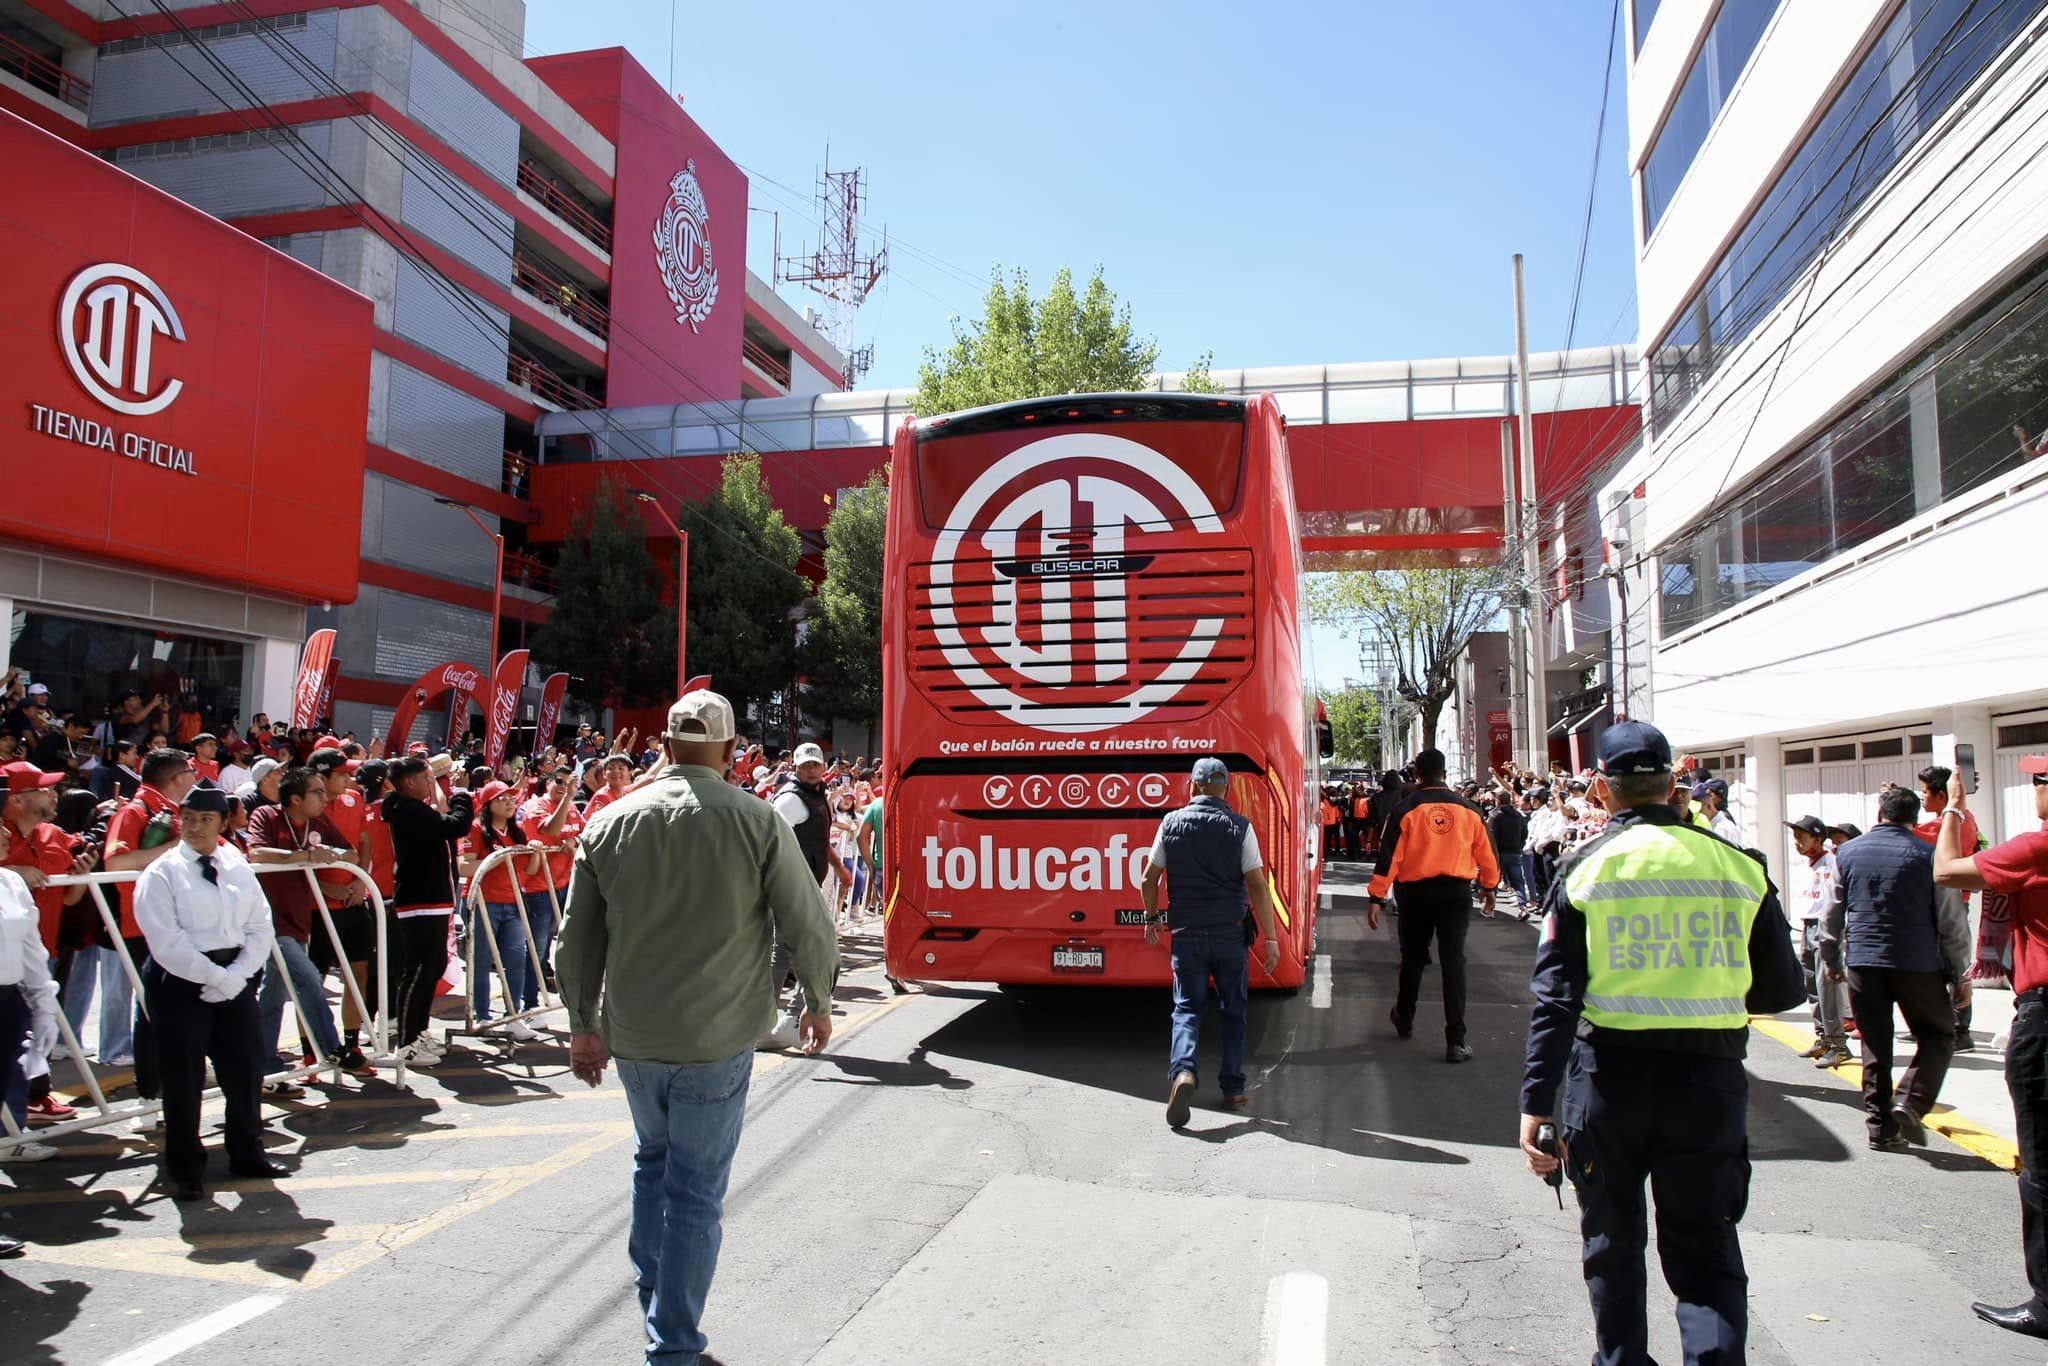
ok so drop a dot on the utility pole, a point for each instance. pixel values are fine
(1536, 695)
(1518, 624)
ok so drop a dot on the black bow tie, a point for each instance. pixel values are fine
(207, 870)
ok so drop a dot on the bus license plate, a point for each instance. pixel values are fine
(1077, 958)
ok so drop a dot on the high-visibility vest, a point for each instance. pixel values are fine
(1329, 812)
(1361, 807)
(1668, 915)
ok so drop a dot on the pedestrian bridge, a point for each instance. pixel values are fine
(1396, 463)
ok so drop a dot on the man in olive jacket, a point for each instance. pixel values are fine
(679, 890)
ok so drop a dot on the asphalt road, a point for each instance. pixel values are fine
(971, 1178)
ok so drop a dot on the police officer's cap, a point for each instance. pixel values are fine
(1634, 747)
(206, 797)
(1209, 772)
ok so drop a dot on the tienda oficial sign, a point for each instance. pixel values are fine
(166, 371)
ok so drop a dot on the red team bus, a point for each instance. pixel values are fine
(1085, 595)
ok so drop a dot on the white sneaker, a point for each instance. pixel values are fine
(522, 1031)
(437, 1047)
(419, 1056)
(119, 1060)
(784, 1035)
(147, 1124)
(28, 1152)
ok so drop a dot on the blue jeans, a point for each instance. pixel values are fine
(1516, 868)
(1199, 956)
(687, 1121)
(511, 938)
(117, 1000)
(273, 1004)
(540, 916)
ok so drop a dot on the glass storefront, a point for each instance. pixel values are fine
(88, 665)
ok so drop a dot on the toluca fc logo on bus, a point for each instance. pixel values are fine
(108, 325)
(682, 249)
(1031, 585)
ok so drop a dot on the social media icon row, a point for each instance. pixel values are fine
(1037, 791)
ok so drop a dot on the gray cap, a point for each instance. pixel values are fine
(1210, 772)
(262, 769)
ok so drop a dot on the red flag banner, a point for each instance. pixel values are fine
(551, 694)
(452, 677)
(504, 706)
(313, 662)
(325, 711)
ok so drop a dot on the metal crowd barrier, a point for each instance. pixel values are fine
(110, 1112)
(478, 925)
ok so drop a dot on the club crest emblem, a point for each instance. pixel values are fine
(682, 249)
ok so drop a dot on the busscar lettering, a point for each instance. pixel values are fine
(1675, 939)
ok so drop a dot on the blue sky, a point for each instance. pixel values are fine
(1328, 182)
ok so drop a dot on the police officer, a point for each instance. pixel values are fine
(209, 932)
(1211, 856)
(1659, 941)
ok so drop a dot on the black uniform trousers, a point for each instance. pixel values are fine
(2026, 1078)
(189, 1033)
(1440, 909)
(419, 955)
(1681, 1122)
(1923, 998)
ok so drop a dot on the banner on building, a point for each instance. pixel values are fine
(506, 686)
(313, 662)
(324, 713)
(551, 694)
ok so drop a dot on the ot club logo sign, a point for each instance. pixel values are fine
(682, 249)
(108, 323)
(1050, 521)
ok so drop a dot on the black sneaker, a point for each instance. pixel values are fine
(1401, 1031)
(1458, 1052)
(1890, 1143)
(1908, 1124)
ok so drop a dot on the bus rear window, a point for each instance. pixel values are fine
(1146, 475)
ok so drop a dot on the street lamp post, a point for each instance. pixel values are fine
(497, 579)
(682, 590)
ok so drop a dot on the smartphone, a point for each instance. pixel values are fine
(1966, 766)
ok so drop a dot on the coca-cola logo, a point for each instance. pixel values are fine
(502, 707)
(308, 703)
(460, 679)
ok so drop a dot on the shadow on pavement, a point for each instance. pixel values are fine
(264, 1230)
(916, 1070)
(35, 1314)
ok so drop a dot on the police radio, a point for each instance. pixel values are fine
(1546, 1142)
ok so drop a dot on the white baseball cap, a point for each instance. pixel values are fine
(808, 753)
(701, 716)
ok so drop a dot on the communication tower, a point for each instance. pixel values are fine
(840, 269)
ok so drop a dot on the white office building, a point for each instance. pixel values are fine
(1836, 528)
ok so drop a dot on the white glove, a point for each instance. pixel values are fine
(43, 1037)
(213, 995)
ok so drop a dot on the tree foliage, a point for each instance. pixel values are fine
(743, 586)
(1064, 342)
(1355, 725)
(843, 651)
(609, 629)
(1424, 617)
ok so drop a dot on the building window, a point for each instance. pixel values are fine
(90, 664)
(1646, 15)
(1856, 480)
(1716, 66)
(1919, 66)
(1798, 756)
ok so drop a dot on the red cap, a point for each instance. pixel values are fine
(23, 776)
(2029, 763)
(491, 791)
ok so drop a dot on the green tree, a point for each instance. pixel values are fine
(1425, 618)
(1063, 342)
(843, 649)
(743, 586)
(609, 628)
(1355, 725)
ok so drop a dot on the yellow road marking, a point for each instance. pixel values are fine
(1957, 1128)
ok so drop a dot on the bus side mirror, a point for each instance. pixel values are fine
(1326, 739)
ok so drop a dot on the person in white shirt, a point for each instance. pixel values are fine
(1548, 826)
(1830, 999)
(1712, 796)
(28, 1005)
(209, 932)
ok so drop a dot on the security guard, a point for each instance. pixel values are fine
(1659, 941)
(209, 932)
(1434, 846)
(1210, 855)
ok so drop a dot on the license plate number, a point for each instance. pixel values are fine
(1077, 958)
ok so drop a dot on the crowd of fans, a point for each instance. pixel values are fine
(105, 793)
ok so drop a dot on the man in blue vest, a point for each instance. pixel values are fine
(1210, 854)
(1659, 941)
